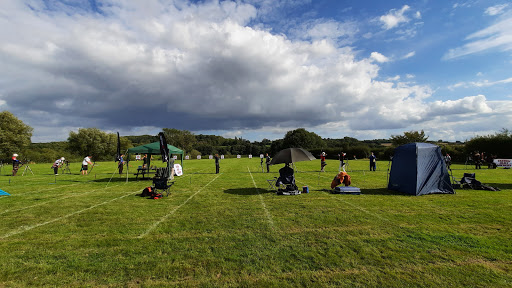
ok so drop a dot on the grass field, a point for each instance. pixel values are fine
(229, 230)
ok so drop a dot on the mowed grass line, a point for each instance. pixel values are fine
(155, 224)
(269, 217)
(81, 194)
(30, 227)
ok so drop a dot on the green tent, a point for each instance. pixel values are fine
(154, 148)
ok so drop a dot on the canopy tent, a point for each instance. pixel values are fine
(419, 169)
(154, 149)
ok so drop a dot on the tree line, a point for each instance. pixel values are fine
(15, 138)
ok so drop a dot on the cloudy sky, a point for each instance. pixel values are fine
(258, 68)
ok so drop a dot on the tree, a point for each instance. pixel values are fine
(408, 137)
(182, 139)
(14, 134)
(96, 143)
(301, 138)
(498, 144)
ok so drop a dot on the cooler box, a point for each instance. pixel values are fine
(305, 189)
(346, 190)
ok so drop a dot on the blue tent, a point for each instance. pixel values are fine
(3, 193)
(419, 169)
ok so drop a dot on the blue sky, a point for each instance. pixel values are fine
(258, 68)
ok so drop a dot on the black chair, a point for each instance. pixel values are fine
(287, 180)
(161, 180)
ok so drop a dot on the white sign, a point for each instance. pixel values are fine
(250, 156)
(261, 156)
(178, 170)
(507, 163)
(198, 157)
(238, 156)
(137, 157)
(221, 156)
(187, 157)
(210, 157)
(175, 157)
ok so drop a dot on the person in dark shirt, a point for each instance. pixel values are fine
(217, 164)
(120, 165)
(373, 162)
(15, 164)
(267, 162)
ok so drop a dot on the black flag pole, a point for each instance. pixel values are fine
(118, 157)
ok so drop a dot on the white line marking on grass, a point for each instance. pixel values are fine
(53, 188)
(269, 217)
(27, 228)
(152, 227)
(58, 199)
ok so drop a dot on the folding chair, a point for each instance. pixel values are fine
(161, 181)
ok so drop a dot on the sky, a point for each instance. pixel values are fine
(255, 69)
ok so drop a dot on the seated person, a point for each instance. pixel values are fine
(286, 177)
(342, 177)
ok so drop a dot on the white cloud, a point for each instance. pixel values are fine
(394, 18)
(320, 29)
(471, 104)
(141, 66)
(495, 10)
(379, 57)
(409, 55)
(483, 83)
(495, 37)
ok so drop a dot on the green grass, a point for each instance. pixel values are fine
(226, 230)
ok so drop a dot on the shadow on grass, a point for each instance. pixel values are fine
(248, 191)
(502, 186)
(379, 191)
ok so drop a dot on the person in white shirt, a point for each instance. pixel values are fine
(57, 164)
(85, 164)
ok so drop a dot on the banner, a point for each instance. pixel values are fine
(250, 156)
(238, 156)
(178, 170)
(506, 163)
(187, 157)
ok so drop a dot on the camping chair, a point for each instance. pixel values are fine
(287, 181)
(161, 180)
(456, 184)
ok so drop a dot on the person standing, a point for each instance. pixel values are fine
(448, 160)
(57, 164)
(217, 163)
(267, 161)
(120, 165)
(145, 162)
(322, 162)
(15, 164)
(85, 164)
(342, 161)
(373, 162)
(477, 160)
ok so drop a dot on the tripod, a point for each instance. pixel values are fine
(65, 168)
(27, 167)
